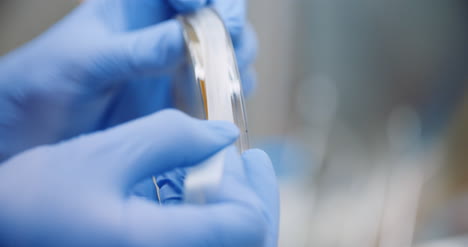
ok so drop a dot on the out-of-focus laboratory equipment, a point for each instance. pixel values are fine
(372, 90)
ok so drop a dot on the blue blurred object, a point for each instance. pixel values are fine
(76, 193)
(108, 62)
(290, 159)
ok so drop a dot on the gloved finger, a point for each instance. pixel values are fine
(233, 13)
(160, 48)
(234, 182)
(146, 224)
(236, 219)
(153, 50)
(139, 98)
(171, 186)
(128, 15)
(156, 144)
(261, 175)
(143, 13)
(246, 49)
(187, 5)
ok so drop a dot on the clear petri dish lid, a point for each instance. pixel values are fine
(211, 87)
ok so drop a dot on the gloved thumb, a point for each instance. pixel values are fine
(155, 144)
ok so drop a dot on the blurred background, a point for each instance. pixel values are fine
(360, 105)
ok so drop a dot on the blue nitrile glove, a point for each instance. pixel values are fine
(108, 62)
(76, 193)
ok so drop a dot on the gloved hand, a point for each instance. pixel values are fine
(108, 62)
(76, 193)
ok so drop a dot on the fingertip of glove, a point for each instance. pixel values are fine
(257, 156)
(188, 5)
(224, 129)
(158, 48)
(255, 152)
